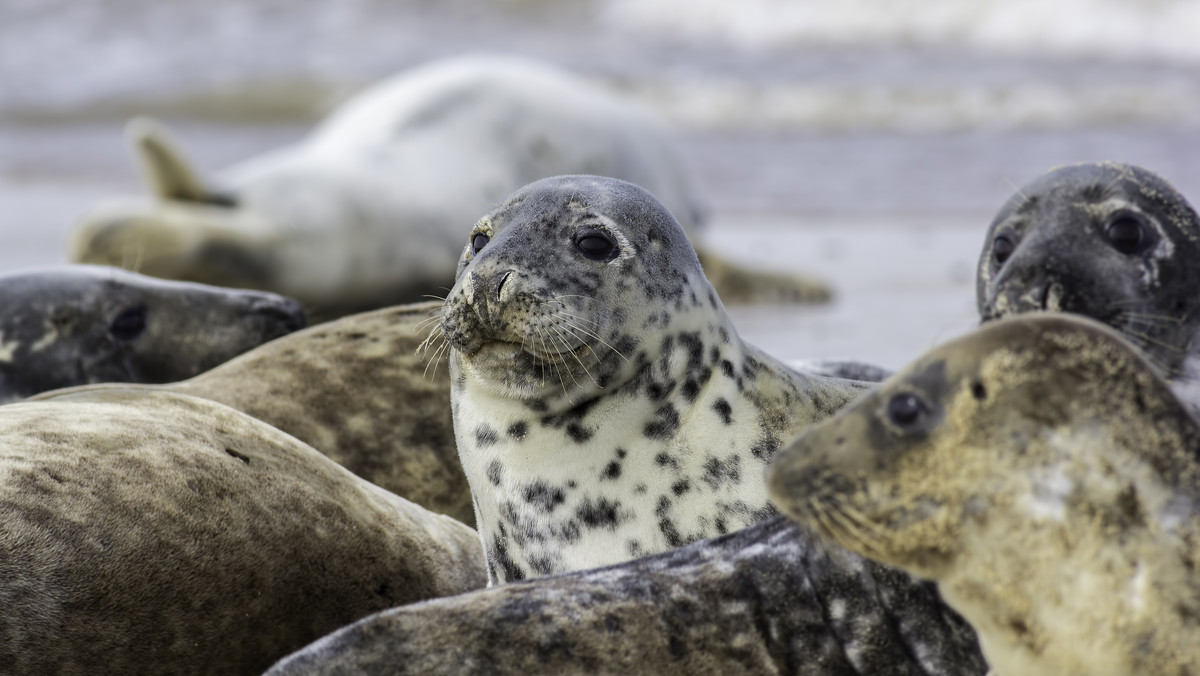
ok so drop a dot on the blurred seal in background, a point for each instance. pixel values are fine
(369, 210)
(77, 324)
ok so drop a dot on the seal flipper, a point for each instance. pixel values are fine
(166, 171)
(740, 285)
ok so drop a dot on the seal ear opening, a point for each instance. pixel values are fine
(166, 172)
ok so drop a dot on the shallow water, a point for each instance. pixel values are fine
(865, 142)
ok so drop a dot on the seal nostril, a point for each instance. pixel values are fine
(287, 312)
(1052, 297)
(500, 284)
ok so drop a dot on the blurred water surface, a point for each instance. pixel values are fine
(868, 141)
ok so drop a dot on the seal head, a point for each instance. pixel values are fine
(74, 325)
(1043, 474)
(550, 313)
(1111, 241)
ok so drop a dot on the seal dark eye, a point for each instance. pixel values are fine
(129, 323)
(595, 246)
(1127, 235)
(905, 410)
(479, 241)
(1002, 248)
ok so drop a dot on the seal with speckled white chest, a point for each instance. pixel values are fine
(1044, 476)
(604, 406)
(1114, 242)
(75, 324)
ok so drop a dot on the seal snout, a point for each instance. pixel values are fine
(1015, 298)
(283, 314)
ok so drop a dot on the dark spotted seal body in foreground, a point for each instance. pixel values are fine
(604, 406)
(79, 324)
(1044, 476)
(356, 390)
(1114, 242)
(762, 600)
(157, 533)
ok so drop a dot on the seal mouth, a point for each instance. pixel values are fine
(540, 354)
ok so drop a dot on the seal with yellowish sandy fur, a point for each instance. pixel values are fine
(152, 532)
(604, 406)
(358, 390)
(1044, 476)
(368, 210)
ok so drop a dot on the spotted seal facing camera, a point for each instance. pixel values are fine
(604, 406)
(1114, 242)
(367, 211)
(78, 324)
(1044, 476)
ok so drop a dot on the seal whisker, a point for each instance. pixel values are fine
(1148, 318)
(833, 528)
(1129, 301)
(566, 348)
(573, 354)
(598, 338)
(437, 357)
(554, 363)
(434, 332)
(1150, 339)
(1012, 184)
(589, 299)
(426, 322)
(853, 530)
(564, 313)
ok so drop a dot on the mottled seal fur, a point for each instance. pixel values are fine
(368, 211)
(1044, 475)
(1114, 242)
(357, 390)
(763, 600)
(76, 324)
(604, 406)
(147, 533)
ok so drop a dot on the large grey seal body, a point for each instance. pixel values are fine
(76, 324)
(159, 533)
(369, 210)
(357, 390)
(1044, 475)
(1114, 242)
(763, 600)
(604, 406)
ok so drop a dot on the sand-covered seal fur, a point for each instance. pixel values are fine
(75, 324)
(1044, 475)
(763, 600)
(604, 406)
(357, 390)
(1114, 242)
(368, 210)
(152, 532)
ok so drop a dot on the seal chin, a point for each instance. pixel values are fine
(517, 371)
